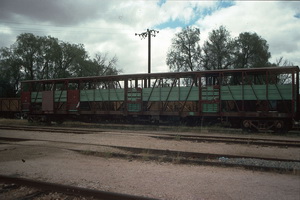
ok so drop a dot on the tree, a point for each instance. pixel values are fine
(10, 75)
(73, 61)
(101, 65)
(34, 57)
(51, 54)
(185, 52)
(105, 66)
(28, 50)
(283, 78)
(281, 62)
(251, 51)
(218, 50)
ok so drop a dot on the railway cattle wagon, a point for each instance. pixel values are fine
(254, 99)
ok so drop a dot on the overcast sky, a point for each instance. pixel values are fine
(110, 25)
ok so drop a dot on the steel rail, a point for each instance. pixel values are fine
(234, 140)
(71, 190)
(208, 159)
(187, 154)
(138, 150)
(184, 137)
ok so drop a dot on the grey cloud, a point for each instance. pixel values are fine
(58, 12)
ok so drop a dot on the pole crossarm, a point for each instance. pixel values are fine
(151, 32)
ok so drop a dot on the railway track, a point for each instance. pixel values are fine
(178, 157)
(20, 188)
(224, 160)
(169, 136)
(234, 140)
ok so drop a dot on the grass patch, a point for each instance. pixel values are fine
(177, 137)
(177, 159)
(106, 154)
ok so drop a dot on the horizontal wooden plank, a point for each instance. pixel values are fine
(102, 95)
(256, 92)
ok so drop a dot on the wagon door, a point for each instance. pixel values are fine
(210, 99)
(210, 94)
(25, 101)
(134, 100)
(47, 101)
(73, 100)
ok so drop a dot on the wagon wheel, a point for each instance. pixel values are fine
(247, 126)
(282, 127)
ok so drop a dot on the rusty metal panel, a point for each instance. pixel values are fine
(15, 104)
(47, 101)
(73, 100)
(9, 105)
(25, 101)
(5, 105)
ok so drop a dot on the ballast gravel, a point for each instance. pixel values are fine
(261, 163)
(54, 162)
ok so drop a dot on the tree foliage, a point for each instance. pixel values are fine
(34, 57)
(185, 51)
(251, 51)
(219, 51)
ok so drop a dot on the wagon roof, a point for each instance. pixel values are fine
(286, 69)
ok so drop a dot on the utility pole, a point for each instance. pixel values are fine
(148, 34)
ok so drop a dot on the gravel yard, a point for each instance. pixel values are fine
(48, 161)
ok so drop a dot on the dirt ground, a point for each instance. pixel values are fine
(53, 162)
